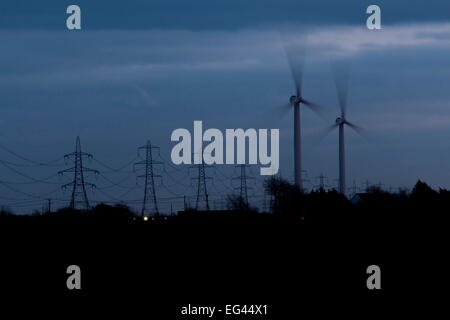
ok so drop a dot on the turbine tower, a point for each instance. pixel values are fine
(296, 65)
(341, 81)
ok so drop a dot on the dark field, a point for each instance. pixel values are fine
(293, 261)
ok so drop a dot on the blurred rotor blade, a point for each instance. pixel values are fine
(325, 131)
(284, 109)
(278, 112)
(318, 109)
(341, 78)
(296, 58)
(311, 104)
(357, 129)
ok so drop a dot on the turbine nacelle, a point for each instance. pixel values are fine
(296, 100)
(340, 121)
(293, 99)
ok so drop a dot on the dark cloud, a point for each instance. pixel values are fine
(213, 14)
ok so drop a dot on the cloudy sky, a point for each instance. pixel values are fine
(140, 69)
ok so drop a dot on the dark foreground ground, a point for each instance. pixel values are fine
(293, 265)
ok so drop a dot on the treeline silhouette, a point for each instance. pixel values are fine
(374, 202)
(376, 207)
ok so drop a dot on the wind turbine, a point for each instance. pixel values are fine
(295, 102)
(342, 92)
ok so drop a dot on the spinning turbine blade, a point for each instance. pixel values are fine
(285, 108)
(326, 131)
(357, 129)
(318, 109)
(296, 57)
(310, 104)
(274, 114)
(281, 111)
(341, 78)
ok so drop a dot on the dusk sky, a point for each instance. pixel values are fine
(140, 69)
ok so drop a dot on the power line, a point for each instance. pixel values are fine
(119, 197)
(169, 163)
(230, 187)
(26, 193)
(115, 184)
(43, 180)
(113, 169)
(176, 181)
(36, 163)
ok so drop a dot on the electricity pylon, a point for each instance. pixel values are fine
(322, 179)
(202, 191)
(149, 178)
(243, 188)
(353, 189)
(305, 180)
(79, 195)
